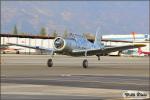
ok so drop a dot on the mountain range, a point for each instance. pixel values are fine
(120, 17)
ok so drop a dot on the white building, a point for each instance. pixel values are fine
(128, 37)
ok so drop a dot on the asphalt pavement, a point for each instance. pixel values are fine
(26, 77)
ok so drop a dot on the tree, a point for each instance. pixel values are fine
(15, 31)
(65, 35)
(43, 32)
(54, 34)
(23, 33)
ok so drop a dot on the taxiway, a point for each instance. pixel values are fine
(26, 77)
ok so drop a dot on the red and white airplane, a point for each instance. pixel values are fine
(143, 52)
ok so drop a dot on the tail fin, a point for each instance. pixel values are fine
(139, 51)
(98, 37)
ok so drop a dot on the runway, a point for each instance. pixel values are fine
(26, 77)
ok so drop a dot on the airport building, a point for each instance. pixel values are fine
(47, 42)
(128, 37)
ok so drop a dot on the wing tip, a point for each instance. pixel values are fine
(139, 45)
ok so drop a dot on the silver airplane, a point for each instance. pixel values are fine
(76, 45)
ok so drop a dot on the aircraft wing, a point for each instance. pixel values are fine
(107, 50)
(3, 46)
(33, 47)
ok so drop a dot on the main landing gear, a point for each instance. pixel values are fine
(50, 63)
(85, 63)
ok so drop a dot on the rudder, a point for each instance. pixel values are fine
(98, 37)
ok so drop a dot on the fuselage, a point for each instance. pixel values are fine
(148, 53)
(67, 45)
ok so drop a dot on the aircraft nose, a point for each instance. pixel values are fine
(59, 43)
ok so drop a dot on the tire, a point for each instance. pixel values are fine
(85, 63)
(49, 63)
(17, 52)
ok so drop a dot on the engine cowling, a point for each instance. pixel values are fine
(59, 44)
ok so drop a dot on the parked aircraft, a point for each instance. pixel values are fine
(6, 49)
(2, 46)
(77, 45)
(143, 52)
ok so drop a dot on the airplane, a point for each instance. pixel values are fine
(143, 52)
(6, 49)
(77, 45)
(2, 46)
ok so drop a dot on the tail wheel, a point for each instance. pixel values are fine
(49, 63)
(85, 63)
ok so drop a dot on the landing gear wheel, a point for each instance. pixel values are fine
(17, 52)
(85, 63)
(49, 63)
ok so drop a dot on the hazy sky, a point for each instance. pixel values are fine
(114, 17)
